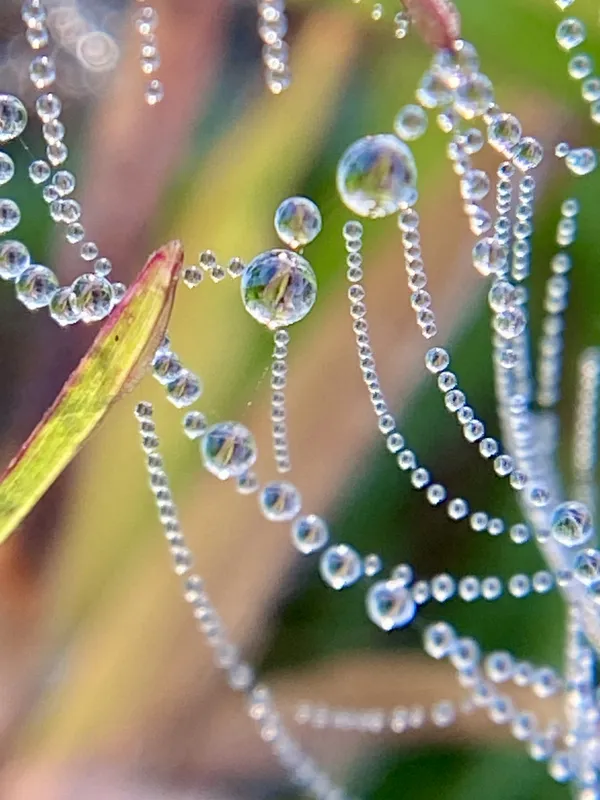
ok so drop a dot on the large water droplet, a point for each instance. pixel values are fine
(586, 567)
(13, 117)
(297, 221)
(390, 605)
(570, 33)
(92, 297)
(228, 450)
(571, 524)
(14, 258)
(377, 176)
(35, 286)
(10, 215)
(278, 288)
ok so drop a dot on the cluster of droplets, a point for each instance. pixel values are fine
(272, 28)
(377, 177)
(146, 24)
(260, 704)
(570, 35)
(91, 297)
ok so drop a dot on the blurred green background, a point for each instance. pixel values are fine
(102, 666)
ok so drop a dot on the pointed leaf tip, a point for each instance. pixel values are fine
(117, 359)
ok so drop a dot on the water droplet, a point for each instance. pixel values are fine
(48, 107)
(580, 66)
(280, 501)
(14, 258)
(581, 160)
(184, 390)
(590, 89)
(103, 267)
(35, 286)
(474, 185)
(61, 307)
(474, 96)
(340, 566)
(278, 288)
(586, 567)
(92, 297)
(42, 72)
(511, 323)
(571, 524)
(309, 534)
(166, 366)
(64, 182)
(119, 292)
(155, 92)
(390, 605)
(489, 256)
(377, 176)
(504, 132)
(39, 171)
(372, 564)
(528, 154)
(297, 221)
(570, 33)
(10, 215)
(410, 122)
(228, 450)
(433, 91)
(194, 424)
(236, 267)
(439, 640)
(7, 168)
(13, 117)
(502, 296)
(192, 276)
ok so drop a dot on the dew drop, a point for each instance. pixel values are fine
(377, 176)
(7, 168)
(10, 215)
(581, 160)
(280, 501)
(14, 259)
(410, 123)
(390, 605)
(340, 566)
(228, 450)
(571, 524)
(309, 534)
(278, 288)
(297, 221)
(35, 286)
(570, 33)
(92, 297)
(61, 307)
(13, 117)
(184, 390)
